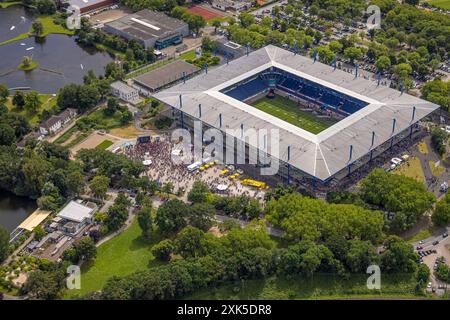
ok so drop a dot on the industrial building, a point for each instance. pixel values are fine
(166, 75)
(371, 118)
(87, 6)
(152, 29)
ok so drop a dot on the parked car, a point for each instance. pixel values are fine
(445, 235)
(435, 242)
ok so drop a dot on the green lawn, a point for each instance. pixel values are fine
(52, 28)
(49, 28)
(120, 256)
(444, 4)
(48, 102)
(104, 145)
(288, 111)
(8, 4)
(320, 286)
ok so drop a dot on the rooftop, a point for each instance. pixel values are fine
(166, 74)
(147, 24)
(321, 155)
(75, 211)
(123, 87)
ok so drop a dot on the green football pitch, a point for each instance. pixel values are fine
(288, 111)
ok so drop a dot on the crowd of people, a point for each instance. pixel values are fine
(163, 169)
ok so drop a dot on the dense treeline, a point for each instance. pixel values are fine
(43, 172)
(404, 196)
(311, 219)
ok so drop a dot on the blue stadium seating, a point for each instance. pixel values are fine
(302, 88)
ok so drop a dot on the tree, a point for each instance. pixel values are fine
(99, 186)
(111, 107)
(360, 255)
(46, 7)
(39, 233)
(3, 94)
(201, 216)
(117, 215)
(216, 23)
(437, 91)
(438, 140)
(171, 215)
(145, 221)
(4, 244)
(405, 196)
(246, 19)
(32, 101)
(163, 250)
(167, 188)
(383, 63)
(37, 27)
(7, 135)
(45, 285)
(190, 243)
(399, 256)
(441, 215)
(423, 275)
(85, 249)
(18, 99)
(352, 53)
(199, 192)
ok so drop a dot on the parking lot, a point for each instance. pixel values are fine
(430, 250)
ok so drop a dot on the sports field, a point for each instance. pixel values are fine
(288, 111)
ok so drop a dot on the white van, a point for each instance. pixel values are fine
(194, 166)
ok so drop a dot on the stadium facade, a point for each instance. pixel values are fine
(371, 117)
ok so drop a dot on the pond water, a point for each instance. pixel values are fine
(14, 210)
(61, 60)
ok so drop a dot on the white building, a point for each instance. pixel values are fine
(75, 216)
(124, 92)
(55, 123)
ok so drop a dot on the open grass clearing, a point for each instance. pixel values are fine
(412, 168)
(105, 144)
(436, 170)
(48, 102)
(122, 255)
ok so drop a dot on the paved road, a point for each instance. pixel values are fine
(443, 250)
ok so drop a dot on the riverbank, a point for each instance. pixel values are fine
(4, 5)
(49, 27)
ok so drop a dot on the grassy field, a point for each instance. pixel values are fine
(422, 234)
(444, 4)
(288, 111)
(412, 169)
(320, 286)
(104, 145)
(422, 147)
(48, 102)
(49, 28)
(52, 28)
(4, 5)
(437, 171)
(122, 255)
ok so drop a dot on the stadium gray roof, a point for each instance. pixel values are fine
(321, 155)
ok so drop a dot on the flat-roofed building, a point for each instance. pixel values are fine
(152, 29)
(87, 6)
(162, 77)
(124, 92)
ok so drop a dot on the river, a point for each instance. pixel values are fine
(61, 60)
(14, 210)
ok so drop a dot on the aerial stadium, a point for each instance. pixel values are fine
(330, 121)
